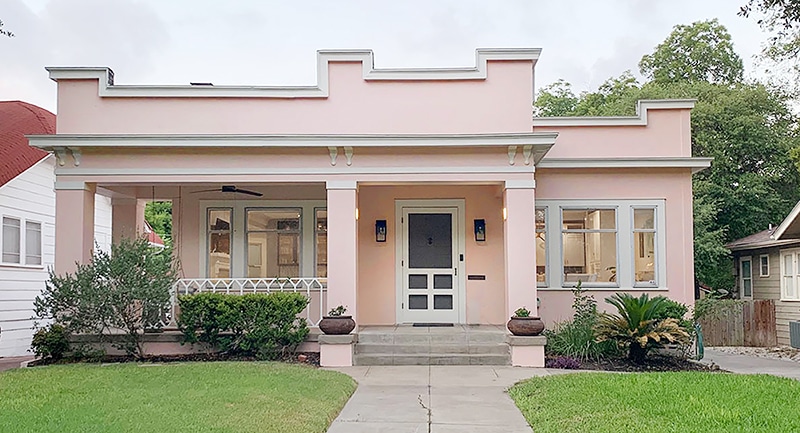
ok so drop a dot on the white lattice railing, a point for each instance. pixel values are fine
(315, 289)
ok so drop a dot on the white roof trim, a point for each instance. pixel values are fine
(49, 142)
(107, 88)
(786, 222)
(642, 106)
(695, 163)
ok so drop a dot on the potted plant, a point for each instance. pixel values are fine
(336, 323)
(523, 324)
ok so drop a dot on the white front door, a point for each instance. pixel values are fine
(430, 265)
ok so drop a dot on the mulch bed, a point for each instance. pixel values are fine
(654, 363)
(308, 358)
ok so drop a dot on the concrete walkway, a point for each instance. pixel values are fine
(13, 362)
(438, 399)
(747, 364)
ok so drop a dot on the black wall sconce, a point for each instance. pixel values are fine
(480, 230)
(380, 230)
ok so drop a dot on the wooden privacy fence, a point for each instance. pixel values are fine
(753, 324)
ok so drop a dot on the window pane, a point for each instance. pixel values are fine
(11, 240)
(219, 255)
(590, 257)
(321, 229)
(764, 266)
(273, 255)
(788, 287)
(644, 219)
(787, 264)
(748, 288)
(746, 269)
(33, 243)
(219, 219)
(644, 258)
(589, 219)
(280, 220)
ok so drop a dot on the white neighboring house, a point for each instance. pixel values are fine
(27, 218)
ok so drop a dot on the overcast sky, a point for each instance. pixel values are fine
(260, 42)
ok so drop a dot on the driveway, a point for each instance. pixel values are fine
(438, 399)
(13, 362)
(748, 364)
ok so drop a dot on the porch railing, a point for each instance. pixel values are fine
(315, 289)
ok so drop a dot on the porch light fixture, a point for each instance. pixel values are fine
(480, 230)
(356, 214)
(505, 214)
(380, 230)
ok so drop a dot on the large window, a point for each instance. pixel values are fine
(589, 252)
(219, 243)
(273, 243)
(790, 275)
(644, 247)
(541, 247)
(21, 242)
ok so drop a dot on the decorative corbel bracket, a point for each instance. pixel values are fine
(512, 152)
(348, 153)
(334, 153)
(76, 155)
(527, 151)
(61, 155)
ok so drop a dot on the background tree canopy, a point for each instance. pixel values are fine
(159, 215)
(747, 127)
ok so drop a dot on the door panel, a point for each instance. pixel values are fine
(430, 276)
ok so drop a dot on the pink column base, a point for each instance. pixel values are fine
(336, 355)
(527, 356)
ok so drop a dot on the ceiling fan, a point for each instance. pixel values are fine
(233, 189)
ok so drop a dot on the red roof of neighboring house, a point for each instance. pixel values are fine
(18, 119)
(152, 236)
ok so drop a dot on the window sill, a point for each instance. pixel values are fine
(790, 300)
(20, 266)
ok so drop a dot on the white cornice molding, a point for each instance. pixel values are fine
(695, 163)
(52, 141)
(640, 119)
(107, 88)
(293, 171)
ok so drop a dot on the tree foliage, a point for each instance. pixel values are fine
(748, 128)
(159, 215)
(702, 51)
(781, 20)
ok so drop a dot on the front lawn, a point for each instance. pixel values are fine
(659, 402)
(217, 397)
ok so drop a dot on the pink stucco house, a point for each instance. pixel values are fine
(407, 195)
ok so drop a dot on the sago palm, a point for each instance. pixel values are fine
(637, 326)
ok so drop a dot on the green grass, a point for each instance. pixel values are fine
(659, 402)
(172, 398)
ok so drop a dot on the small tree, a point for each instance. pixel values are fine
(127, 289)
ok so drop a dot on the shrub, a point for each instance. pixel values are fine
(51, 342)
(714, 306)
(576, 339)
(637, 327)
(127, 289)
(262, 325)
(564, 362)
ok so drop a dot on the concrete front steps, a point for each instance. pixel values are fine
(457, 345)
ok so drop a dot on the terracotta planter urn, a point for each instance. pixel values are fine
(525, 326)
(337, 325)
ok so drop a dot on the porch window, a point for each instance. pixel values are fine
(273, 243)
(321, 241)
(33, 243)
(11, 240)
(644, 250)
(589, 253)
(790, 276)
(541, 247)
(219, 242)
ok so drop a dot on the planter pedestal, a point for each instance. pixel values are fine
(336, 350)
(527, 351)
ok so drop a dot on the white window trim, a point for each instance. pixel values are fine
(741, 277)
(795, 277)
(625, 256)
(760, 267)
(238, 235)
(23, 243)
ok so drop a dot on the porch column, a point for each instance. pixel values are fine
(342, 245)
(520, 245)
(74, 224)
(127, 218)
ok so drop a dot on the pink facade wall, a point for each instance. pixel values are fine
(485, 301)
(501, 103)
(672, 185)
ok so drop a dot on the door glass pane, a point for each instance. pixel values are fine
(442, 302)
(418, 282)
(33, 243)
(442, 282)
(11, 240)
(219, 243)
(430, 241)
(748, 288)
(417, 302)
(746, 271)
(321, 230)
